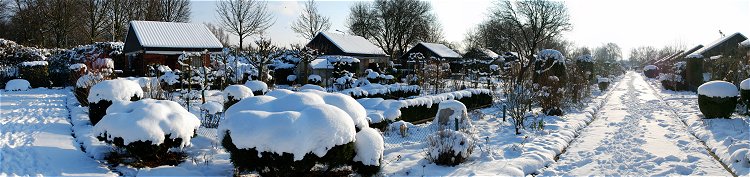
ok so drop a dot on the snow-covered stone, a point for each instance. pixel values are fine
(369, 146)
(718, 89)
(212, 107)
(256, 85)
(237, 92)
(147, 120)
(17, 85)
(115, 90)
(281, 122)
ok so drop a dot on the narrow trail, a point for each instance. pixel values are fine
(635, 134)
(35, 137)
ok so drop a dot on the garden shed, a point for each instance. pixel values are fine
(429, 50)
(721, 46)
(370, 56)
(151, 42)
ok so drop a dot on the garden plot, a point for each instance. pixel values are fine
(35, 137)
(729, 139)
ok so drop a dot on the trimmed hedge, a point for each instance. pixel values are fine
(603, 85)
(745, 98)
(694, 73)
(37, 75)
(715, 107)
(652, 73)
(146, 153)
(99, 109)
(417, 113)
(274, 164)
(390, 95)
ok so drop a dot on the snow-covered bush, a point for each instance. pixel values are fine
(147, 129)
(651, 71)
(603, 83)
(258, 87)
(369, 146)
(585, 64)
(313, 87)
(83, 85)
(745, 93)
(551, 75)
(35, 72)
(314, 79)
(449, 147)
(717, 99)
(452, 115)
(105, 93)
(17, 85)
(286, 133)
(675, 80)
(211, 112)
(235, 93)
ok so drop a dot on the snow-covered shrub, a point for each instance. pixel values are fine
(745, 93)
(372, 76)
(105, 93)
(314, 79)
(147, 129)
(675, 80)
(449, 147)
(694, 72)
(551, 75)
(717, 99)
(585, 64)
(83, 85)
(603, 83)
(285, 133)
(169, 80)
(369, 152)
(313, 87)
(452, 115)
(235, 93)
(258, 87)
(211, 112)
(651, 71)
(17, 85)
(35, 72)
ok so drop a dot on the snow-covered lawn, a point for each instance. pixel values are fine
(35, 137)
(636, 134)
(729, 139)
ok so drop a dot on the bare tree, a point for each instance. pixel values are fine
(310, 22)
(244, 17)
(175, 10)
(362, 20)
(606, 59)
(639, 56)
(95, 15)
(263, 56)
(219, 33)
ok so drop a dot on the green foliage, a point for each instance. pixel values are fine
(36, 75)
(603, 86)
(99, 109)
(715, 107)
(144, 153)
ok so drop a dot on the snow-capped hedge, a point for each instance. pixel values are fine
(105, 93)
(258, 87)
(369, 151)
(234, 93)
(449, 147)
(313, 87)
(148, 120)
(36, 72)
(17, 85)
(550, 54)
(719, 89)
(651, 71)
(695, 56)
(717, 99)
(383, 91)
(745, 93)
(416, 109)
(379, 109)
(314, 79)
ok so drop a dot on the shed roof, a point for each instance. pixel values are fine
(353, 44)
(737, 37)
(441, 50)
(157, 36)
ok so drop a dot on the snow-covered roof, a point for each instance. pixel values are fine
(745, 43)
(321, 63)
(441, 50)
(160, 35)
(353, 44)
(489, 53)
(719, 42)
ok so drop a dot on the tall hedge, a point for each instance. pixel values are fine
(37, 75)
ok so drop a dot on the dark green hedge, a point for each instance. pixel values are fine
(145, 153)
(745, 98)
(99, 109)
(274, 164)
(651, 73)
(694, 74)
(603, 86)
(390, 95)
(417, 113)
(714, 107)
(36, 75)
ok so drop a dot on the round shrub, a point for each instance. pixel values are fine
(168, 125)
(235, 93)
(369, 152)
(651, 71)
(717, 99)
(745, 93)
(314, 79)
(258, 87)
(35, 72)
(449, 147)
(105, 93)
(17, 85)
(603, 83)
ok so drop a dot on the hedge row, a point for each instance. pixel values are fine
(390, 95)
(422, 112)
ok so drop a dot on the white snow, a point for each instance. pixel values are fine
(115, 90)
(17, 85)
(372, 74)
(650, 67)
(460, 143)
(694, 55)
(212, 107)
(745, 43)
(106, 63)
(369, 147)
(353, 44)
(603, 79)
(148, 120)
(313, 87)
(718, 89)
(88, 80)
(170, 78)
(494, 67)
(321, 63)
(441, 50)
(314, 77)
(346, 103)
(745, 84)
(174, 35)
(237, 92)
(296, 123)
(550, 54)
(585, 58)
(256, 85)
(77, 66)
(339, 58)
(291, 78)
(459, 115)
(34, 63)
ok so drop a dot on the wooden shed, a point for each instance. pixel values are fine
(152, 42)
(370, 56)
(429, 50)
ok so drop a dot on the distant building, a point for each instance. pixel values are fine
(151, 42)
(369, 55)
(429, 50)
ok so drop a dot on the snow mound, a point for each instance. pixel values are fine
(369, 147)
(457, 114)
(355, 110)
(212, 107)
(550, 54)
(291, 78)
(745, 84)
(237, 92)
(379, 109)
(255, 85)
(296, 123)
(117, 89)
(650, 67)
(718, 89)
(148, 120)
(312, 87)
(372, 74)
(17, 85)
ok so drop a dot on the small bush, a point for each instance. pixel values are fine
(449, 147)
(651, 71)
(141, 154)
(37, 75)
(715, 107)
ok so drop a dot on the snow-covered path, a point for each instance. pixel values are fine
(35, 137)
(635, 134)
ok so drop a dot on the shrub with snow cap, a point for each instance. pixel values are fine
(603, 83)
(36, 72)
(105, 93)
(17, 85)
(369, 148)
(147, 128)
(314, 79)
(651, 71)
(287, 133)
(717, 99)
(745, 93)
(312, 87)
(449, 147)
(452, 115)
(211, 114)
(235, 93)
(258, 87)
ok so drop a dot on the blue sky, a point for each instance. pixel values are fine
(629, 23)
